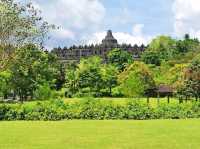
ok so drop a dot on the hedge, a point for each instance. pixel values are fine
(97, 110)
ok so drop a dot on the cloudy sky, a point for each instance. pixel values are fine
(132, 21)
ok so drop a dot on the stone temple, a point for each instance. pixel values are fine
(109, 40)
(108, 43)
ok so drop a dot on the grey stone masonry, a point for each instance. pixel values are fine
(108, 43)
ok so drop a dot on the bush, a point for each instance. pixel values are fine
(117, 92)
(43, 92)
(94, 109)
(59, 94)
(151, 57)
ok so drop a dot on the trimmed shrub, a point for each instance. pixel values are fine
(94, 109)
(44, 92)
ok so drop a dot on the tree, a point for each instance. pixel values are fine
(60, 79)
(187, 36)
(91, 76)
(32, 68)
(186, 45)
(19, 25)
(175, 78)
(109, 76)
(119, 58)
(71, 79)
(86, 77)
(5, 84)
(190, 85)
(136, 80)
(161, 48)
(182, 46)
(175, 75)
(151, 57)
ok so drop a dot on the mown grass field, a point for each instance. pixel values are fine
(155, 134)
(152, 101)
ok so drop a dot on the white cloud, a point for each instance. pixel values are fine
(137, 29)
(136, 37)
(131, 39)
(95, 38)
(74, 17)
(36, 5)
(73, 13)
(186, 15)
(63, 34)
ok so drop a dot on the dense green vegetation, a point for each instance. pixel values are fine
(27, 73)
(167, 134)
(35, 85)
(96, 109)
(20, 25)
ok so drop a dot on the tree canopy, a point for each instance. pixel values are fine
(31, 68)
(20, 24)
(161, 48)
(188, 85)
(136, 80)
(119, 58)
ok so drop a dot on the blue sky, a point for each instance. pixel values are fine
(147, 12)
(132, 21)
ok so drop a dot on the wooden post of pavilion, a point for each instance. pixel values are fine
(166, 91)
(168, 99)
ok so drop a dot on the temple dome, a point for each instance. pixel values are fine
(109, 40)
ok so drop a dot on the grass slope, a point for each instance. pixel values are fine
(166, 134)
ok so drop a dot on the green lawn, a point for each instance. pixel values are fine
(152, 101)
(155, 134)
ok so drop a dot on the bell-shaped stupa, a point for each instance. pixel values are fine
(109, 40)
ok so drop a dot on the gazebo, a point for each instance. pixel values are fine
(165, 90)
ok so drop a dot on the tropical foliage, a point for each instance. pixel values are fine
(28, 72)
(93, 109)
(19, 25)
